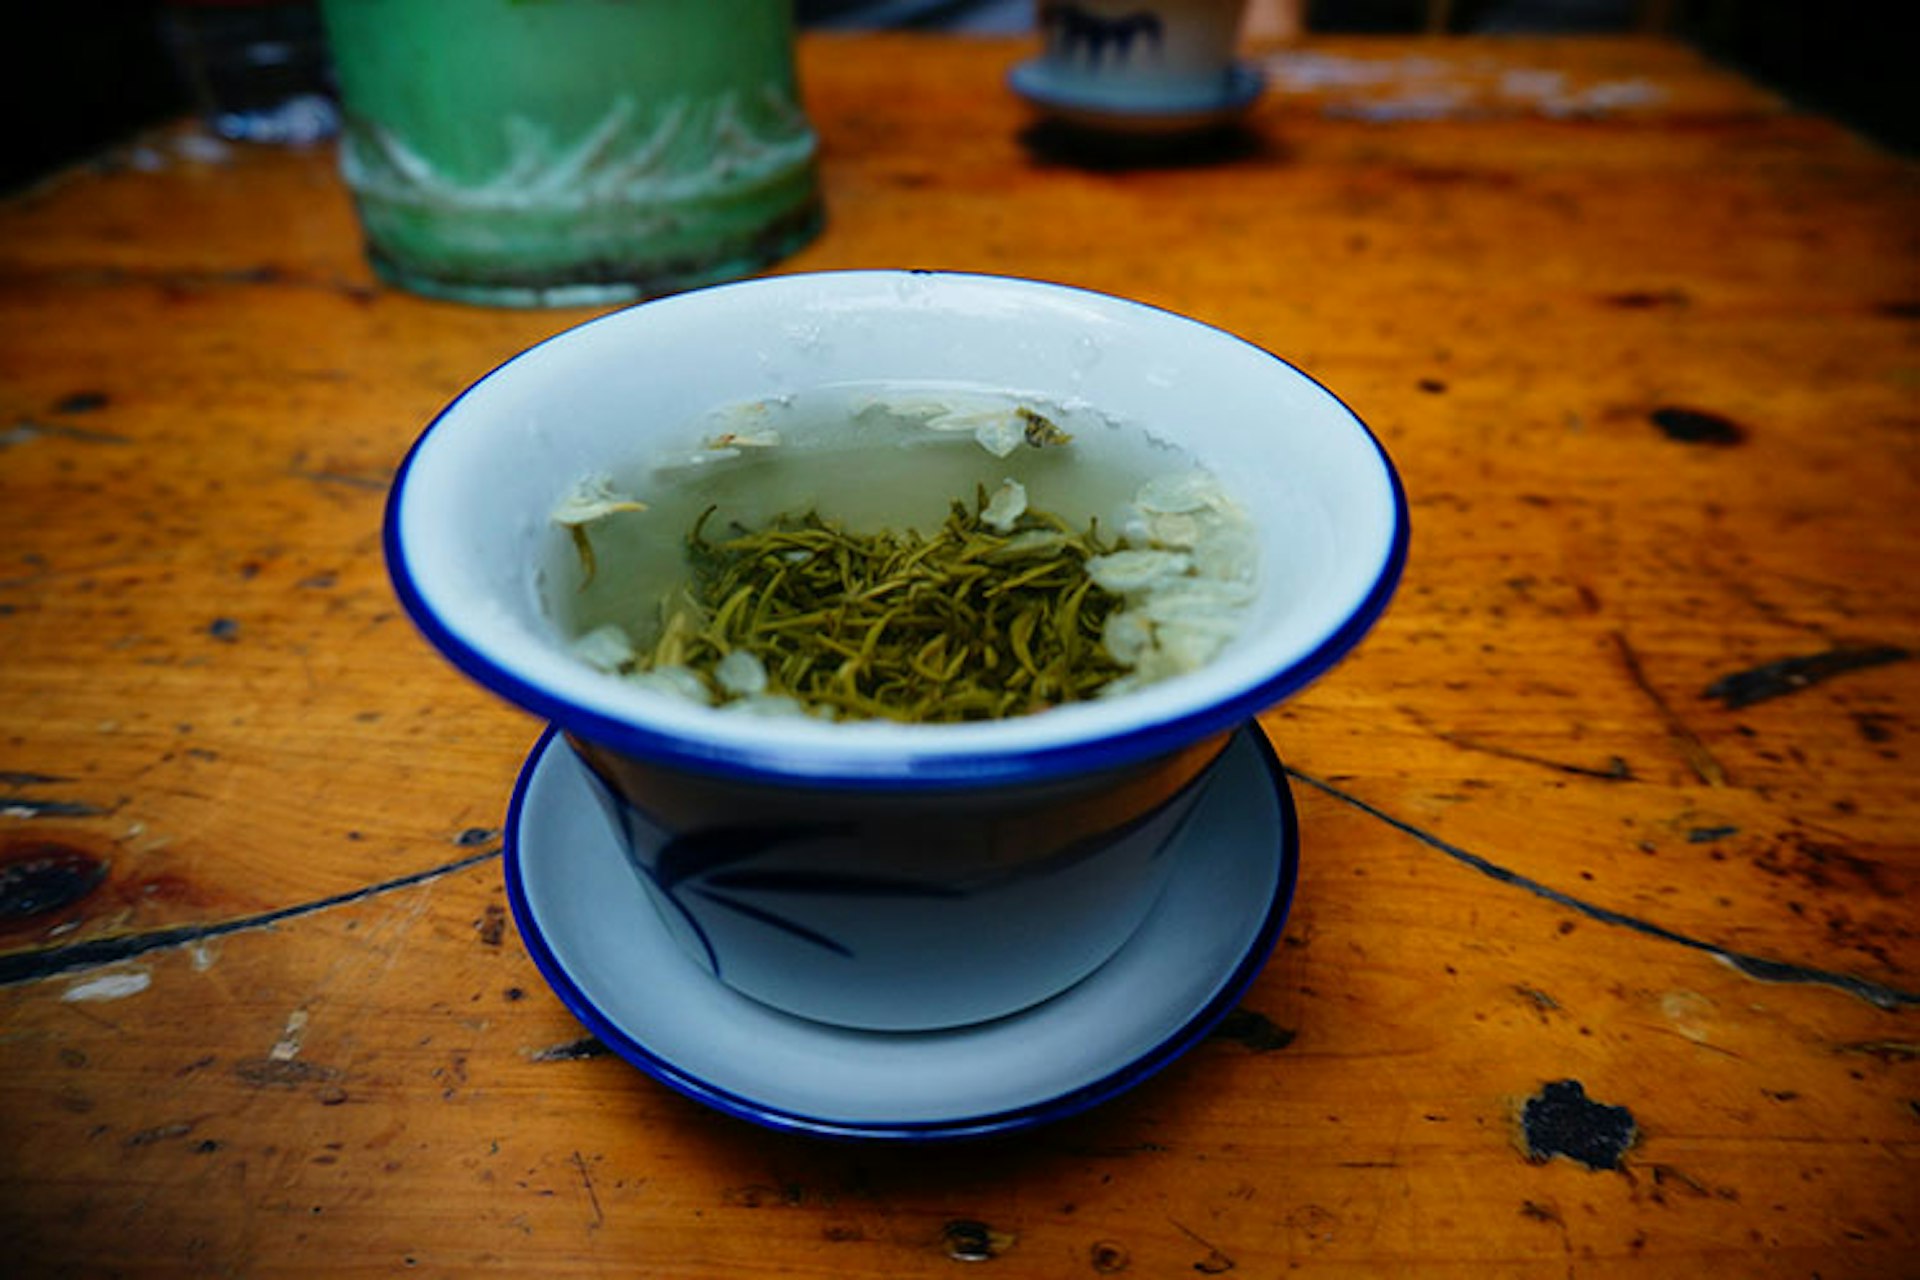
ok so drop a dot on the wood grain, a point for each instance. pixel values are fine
(1641, 339)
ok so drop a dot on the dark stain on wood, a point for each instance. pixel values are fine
(492, 925)
(278, 1073)
(1697, 426)
(1646, 299)
(1255, 1031)
(1435, 175)
(1561, 1120)
(573, 1050)
(1217, 1262)
(1665, 1175)
(475, 836)
(1821, 865)
(159, 1133)
(372, 481)
(1707, 835)
(1783, 676)
(970, 1240)
(41, 877)
(82, 402)
(1875, 726)
(1884, 1051)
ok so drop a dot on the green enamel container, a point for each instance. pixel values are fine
(572, 152)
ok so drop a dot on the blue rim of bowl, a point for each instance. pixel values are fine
(1126, 1077)
(924, 771)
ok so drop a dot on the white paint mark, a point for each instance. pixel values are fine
(111, 986)
(1690, 1014)
(288, 1046)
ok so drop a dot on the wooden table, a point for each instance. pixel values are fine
(1620, 793)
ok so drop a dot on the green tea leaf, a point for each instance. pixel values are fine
(994, 614)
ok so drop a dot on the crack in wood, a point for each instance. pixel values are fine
(26, 429)
(593, 1196)
(1698, 758)
(16, 806)
(372, 482)
(31, 966)
(1616, 770)
(1765, 970)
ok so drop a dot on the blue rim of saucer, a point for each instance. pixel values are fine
(1240, 84)
(1125, 1076)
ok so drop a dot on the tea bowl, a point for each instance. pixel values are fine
(875, 874)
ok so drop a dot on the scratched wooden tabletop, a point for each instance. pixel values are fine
(1603, 956)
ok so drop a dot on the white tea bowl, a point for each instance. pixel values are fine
(877, 874)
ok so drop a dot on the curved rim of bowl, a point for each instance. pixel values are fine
(1120, 1080)
(902, 769)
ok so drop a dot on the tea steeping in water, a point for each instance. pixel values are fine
(764, 573)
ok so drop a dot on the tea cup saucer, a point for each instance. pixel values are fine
(1145, 110)
(599, 942)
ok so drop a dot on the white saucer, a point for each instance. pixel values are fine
(598, 941)
(1135, 111)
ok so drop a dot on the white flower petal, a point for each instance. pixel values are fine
(605, 648)
(1125, 572)
(1180, 492)
(741, 674)
(1030, 542)
(1127, 637)
(1197, 598)
(1182, 530)
(593, 499)
(1186, 646)
(1228, 555)
(771, 705)
(1008, 504)
(675, 682)
(1001, 434)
